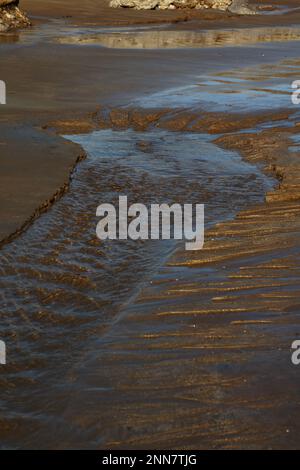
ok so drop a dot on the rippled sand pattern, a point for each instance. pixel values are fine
(204, 351)
(62, 289)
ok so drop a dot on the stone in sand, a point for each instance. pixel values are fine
(235, 6)
(241, 7)
(136, 4)
(11, 17)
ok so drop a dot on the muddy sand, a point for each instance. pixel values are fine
(200, 358)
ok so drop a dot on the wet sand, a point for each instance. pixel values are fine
(52, 78)
(204, 352)
(201, 359)
(27, 180)
(93, 12)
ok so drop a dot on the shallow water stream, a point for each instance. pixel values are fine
(61, 288)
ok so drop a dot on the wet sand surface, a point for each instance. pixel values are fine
(94, 12)
(27, 180)
(91, 79)
(47, 81)
(72, 292)
(136, 345)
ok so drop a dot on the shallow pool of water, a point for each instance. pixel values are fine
(262, 88)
